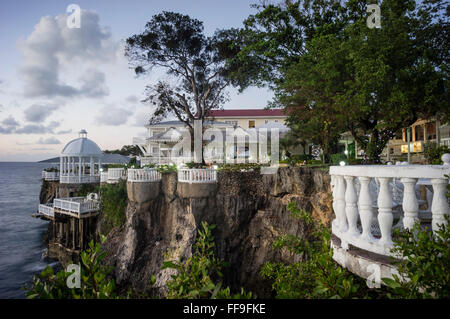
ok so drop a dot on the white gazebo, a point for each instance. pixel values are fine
(80, 161)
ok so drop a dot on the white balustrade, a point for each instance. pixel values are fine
(355, 215)
(114, 174)
(47, 210)
(76, 205)
(103, 177)
(50, 176)
(143, 175)
(76, 179)
(207, 175)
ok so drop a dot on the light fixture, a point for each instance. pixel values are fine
(342, 163)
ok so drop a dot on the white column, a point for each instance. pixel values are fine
(439, 206)
(91, 167)
(365, 208)
(410, 203)
(73, 165)
(351, 209)
(79, 169)
(385, 217)
(60, 166)
(340, 204)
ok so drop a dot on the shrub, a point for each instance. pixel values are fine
(194, 165)
(200, 275)
(151, 165)
(167, 168)
(433, 153)
(317, 275)
(337, 158)
(355, 161)
(51, 169)
(94, 282)
(241, 166)
(113, 198)
(426, 265)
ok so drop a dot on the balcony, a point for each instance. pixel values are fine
(79, 179)
(143, 175)
(197, 175)
(364, 201)
(46, 210)
(50, 176)
(76, 206)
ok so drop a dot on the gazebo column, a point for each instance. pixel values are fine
(79, 169)
(91, 167)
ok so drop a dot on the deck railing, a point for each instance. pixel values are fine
(76, 205)
(75, 179)
(357, 216)
(114, 174)
(143, 175)
(50, 176)
(103, 177)
(47, 210)
(207, 175)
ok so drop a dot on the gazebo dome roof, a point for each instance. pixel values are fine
(81, 146)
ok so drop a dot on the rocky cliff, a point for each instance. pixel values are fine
(248, 208)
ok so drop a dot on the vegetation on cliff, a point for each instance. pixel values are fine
(113, 198)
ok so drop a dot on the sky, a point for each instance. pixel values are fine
(55, 81)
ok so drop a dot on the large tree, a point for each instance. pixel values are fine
(328, 67)
(194, 63)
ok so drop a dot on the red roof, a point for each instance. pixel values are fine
(246, 113)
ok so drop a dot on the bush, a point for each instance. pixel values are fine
(167, 168)
(200, 276)
(151, 165)
(337, 158)
(94, 282)
(426, 265)
(355, 161)
(194, 165)
(241, 167)
(433, 153)
(51, 170)
(113, 198)
(317, 275)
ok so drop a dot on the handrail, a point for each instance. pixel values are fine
(143, 175)
(195, 175)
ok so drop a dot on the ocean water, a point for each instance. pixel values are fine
(21, 245)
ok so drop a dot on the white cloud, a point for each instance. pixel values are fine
(111, 115)
(48, 141)
(10, 121)
(52, 48)
(38, 112)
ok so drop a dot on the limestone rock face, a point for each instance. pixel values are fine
(248, 208)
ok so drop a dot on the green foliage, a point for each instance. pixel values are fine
(200, 275)
(336, 75)
(113, 198)
(355, 161)
(117, 166)
(424, 273)
(127, 150)
(86, 189)
(195, 165)
(433, 153)
(167, 168)
(51, 169)
(151, 165)
(337, 158)
(94, 281)
(240, 167)
(316, 275)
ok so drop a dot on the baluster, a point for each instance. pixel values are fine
(334, 188)
(410, 203)
(439, 206)
(365, 208)
(385, 217)
(340, 204)
(351, 209)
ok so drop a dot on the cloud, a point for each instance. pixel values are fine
(10, 121)
(141, 119)
(62, 132)
(111, 115)
(133, 99)
(48, 141)
(38, 113)
(52, 46)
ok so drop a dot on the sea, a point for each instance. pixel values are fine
(21, 245)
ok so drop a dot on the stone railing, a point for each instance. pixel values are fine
(76, 205)
(114, 174)
(357, 216)
(50, 176)
(207, 175)
(76, 179)
(143, 175)
(47, 210)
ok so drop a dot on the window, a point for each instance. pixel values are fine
(251, 124)
(276, 121)
(234, 123)
(266, 121)
(155, 150)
